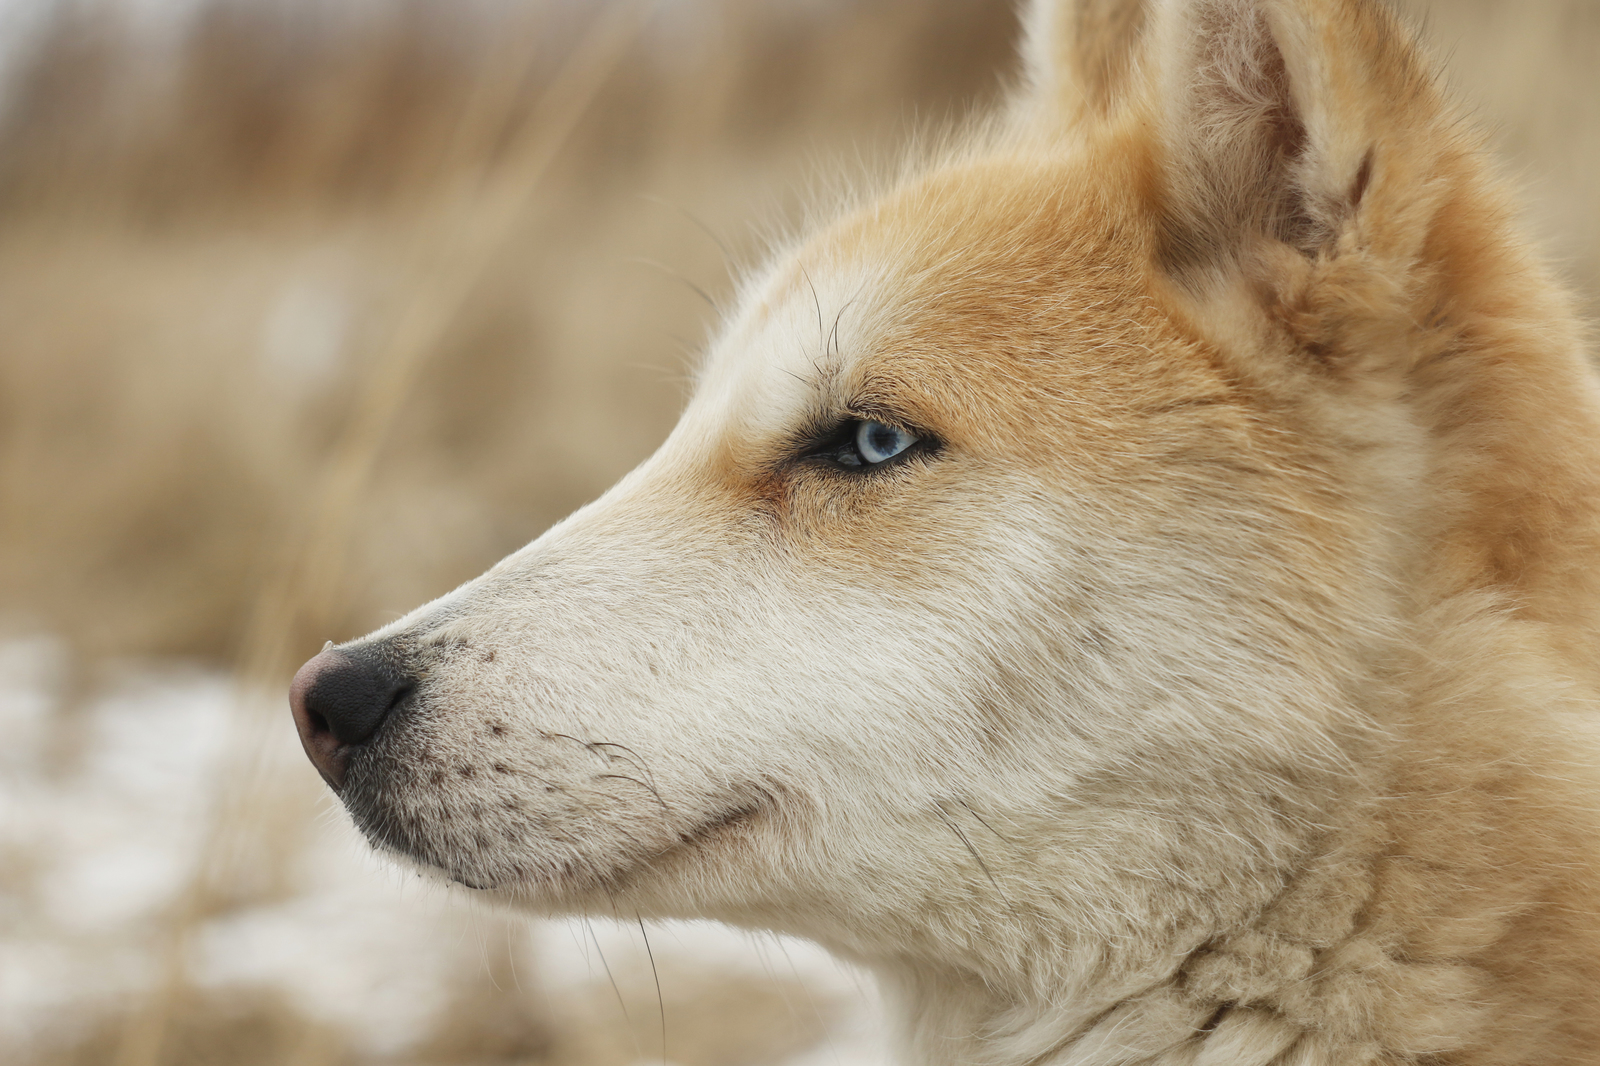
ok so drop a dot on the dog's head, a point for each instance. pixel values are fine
(1028, 549)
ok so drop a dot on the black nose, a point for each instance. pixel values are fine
(339, 700)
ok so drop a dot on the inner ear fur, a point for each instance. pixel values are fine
(1270, 118)
(1278, 121)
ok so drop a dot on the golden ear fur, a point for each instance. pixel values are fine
(1079, 56)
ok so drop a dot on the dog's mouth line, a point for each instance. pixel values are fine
(569, 876)
(706, 832)
(716, 825)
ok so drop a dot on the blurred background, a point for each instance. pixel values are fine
(312, 309)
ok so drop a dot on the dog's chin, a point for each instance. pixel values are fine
(557, 878)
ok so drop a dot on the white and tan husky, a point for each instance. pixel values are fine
(1133, 586)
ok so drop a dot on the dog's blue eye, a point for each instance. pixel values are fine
(877, 442)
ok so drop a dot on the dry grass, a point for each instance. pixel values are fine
(311, 314)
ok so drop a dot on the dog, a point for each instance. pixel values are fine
(1131, 585)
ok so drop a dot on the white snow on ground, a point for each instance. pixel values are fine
(105, 808)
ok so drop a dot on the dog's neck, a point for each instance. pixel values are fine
(1244, 997)
(1427, 923)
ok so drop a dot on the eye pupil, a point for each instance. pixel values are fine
(878, 442)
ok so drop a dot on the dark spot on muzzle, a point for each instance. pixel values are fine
(341, 699)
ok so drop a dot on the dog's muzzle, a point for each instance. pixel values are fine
(341, 699)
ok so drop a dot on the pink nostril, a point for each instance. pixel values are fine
(327, 754)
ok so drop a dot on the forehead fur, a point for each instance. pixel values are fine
(998, 302)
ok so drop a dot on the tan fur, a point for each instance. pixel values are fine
(1221, 690)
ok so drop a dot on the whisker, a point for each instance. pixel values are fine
(984, 823)
(661, 1003)
(598, 950)
(833, 334)
(945, 818)
(635, 757)
(511, 956)
(648, 788)
(822, 335)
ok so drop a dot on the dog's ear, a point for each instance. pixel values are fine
(1281, 121)
(1080, 56)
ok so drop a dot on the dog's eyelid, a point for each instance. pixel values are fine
(875, 412)
(839, 444)
(855, 416)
